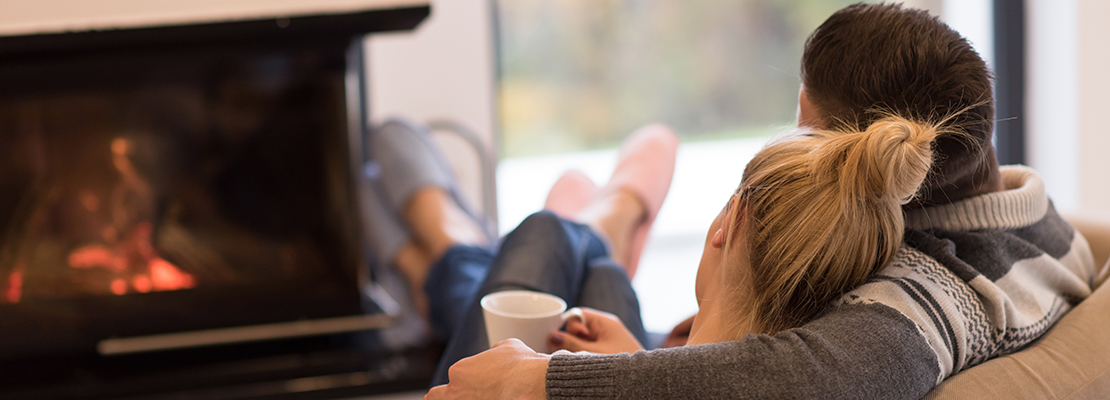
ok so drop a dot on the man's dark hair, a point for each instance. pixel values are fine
(867, 61)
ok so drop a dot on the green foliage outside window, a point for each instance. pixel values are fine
(581, 74)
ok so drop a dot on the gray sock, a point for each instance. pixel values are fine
(408, 160)
(385, 231)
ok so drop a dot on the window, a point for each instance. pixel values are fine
(576, 76)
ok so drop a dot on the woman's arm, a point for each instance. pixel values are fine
(855, 351)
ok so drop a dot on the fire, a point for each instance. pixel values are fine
(15, 285)
(135, 261)
(95, 255)
(153, 274)
(141, 283)
(119, 287)
(118, 255)
(132, 257)
(166, 276)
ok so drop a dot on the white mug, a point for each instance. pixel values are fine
(525, 315)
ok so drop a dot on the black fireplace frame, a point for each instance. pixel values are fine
(59, 343)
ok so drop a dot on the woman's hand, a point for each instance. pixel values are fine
(602, 333)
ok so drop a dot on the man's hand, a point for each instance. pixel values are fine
(602, 333)
(509, 370)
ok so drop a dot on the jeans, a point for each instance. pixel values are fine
(544, 253)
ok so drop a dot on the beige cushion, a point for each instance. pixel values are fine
(1096, 228)
(1071, 361)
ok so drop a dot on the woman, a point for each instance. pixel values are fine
(816, 213)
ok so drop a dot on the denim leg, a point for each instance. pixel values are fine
(608, 288)
(552, 255)
(451, 284)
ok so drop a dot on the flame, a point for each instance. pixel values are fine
(141, 283)
(119, 287)
(166, 276)
(142, 275)
(15, 286)
(96, 255)
(119, 256)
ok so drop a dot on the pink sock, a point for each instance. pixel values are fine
(645, 168)
(570, 194)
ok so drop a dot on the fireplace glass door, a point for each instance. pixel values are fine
(154, 190)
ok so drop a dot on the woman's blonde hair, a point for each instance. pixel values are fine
(821, 210)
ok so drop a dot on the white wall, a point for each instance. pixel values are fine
(1052, 125)
(1066, 104)
(1093, 105)
(971, 18)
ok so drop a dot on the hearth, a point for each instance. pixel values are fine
(178, 201)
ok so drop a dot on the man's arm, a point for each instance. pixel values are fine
(855, 351)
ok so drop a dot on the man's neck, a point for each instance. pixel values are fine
(985, 183)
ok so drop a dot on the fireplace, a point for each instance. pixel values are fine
(185, 197)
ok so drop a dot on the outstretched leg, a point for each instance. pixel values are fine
(447, 260)
(415, 212)
(623, 211)
(572, 260)
(546, 254)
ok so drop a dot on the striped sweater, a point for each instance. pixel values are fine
(973, 280)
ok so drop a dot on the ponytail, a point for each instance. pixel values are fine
(823, 211)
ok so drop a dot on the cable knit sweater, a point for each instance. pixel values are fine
(973, 280)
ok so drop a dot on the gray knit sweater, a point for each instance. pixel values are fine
(973, 280)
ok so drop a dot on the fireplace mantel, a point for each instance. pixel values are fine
(61, 16)
(49, 28)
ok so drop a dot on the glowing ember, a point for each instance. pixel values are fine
(133, 261)
(168, 277)
(15, 286)
(119, 287)
(95, 255)
(116, 252)
(153, 274)
(141, 283)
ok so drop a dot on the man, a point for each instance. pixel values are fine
(966, 285)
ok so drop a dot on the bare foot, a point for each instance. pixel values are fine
(438, 224)
(615, 215)
(414, 266)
